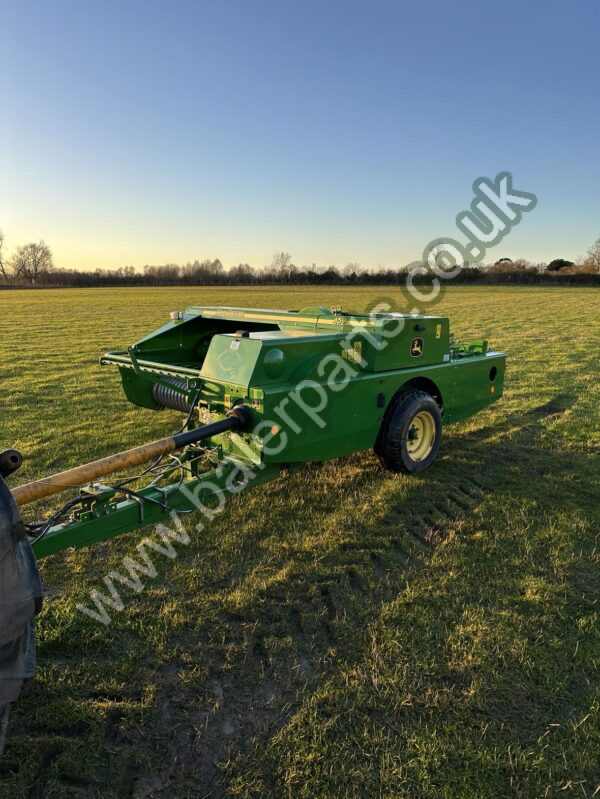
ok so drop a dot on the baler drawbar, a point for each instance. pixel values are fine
(237, 419)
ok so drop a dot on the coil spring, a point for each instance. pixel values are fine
(173, 395)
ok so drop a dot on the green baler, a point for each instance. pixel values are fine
(327, 378)
(262, 391)
(265, 390)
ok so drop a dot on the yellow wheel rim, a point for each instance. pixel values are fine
(421, 436)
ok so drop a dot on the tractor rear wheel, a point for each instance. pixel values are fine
(410, 436)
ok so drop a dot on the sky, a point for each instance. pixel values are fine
(150, 132)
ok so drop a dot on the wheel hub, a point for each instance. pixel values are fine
(421, 436)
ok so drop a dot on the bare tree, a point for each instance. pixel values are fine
(241, 271)
(32, 260)
(281, 261)
(352, 269)
(593, 256)
(522, 265)
(2, 264)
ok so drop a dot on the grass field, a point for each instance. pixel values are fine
(342, 632)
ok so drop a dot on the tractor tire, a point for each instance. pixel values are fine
(410, 435)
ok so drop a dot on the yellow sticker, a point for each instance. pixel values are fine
(438, 331)
(353, 353)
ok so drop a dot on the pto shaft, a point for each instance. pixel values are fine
(238, 419)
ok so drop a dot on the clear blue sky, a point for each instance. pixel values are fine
(146, 132)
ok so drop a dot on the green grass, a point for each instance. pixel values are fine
(342, 632)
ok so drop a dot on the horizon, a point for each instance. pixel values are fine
(301, 268)
(143, 135)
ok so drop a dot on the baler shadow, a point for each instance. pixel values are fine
(293, 627)
(387, 549)
(288, 631)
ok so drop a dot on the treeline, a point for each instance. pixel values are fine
(32, 266)
(67, 278)
(178, 276)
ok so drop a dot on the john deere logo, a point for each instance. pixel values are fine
(416, 347)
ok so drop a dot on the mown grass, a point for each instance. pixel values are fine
(341, 632)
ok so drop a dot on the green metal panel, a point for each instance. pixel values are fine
(231, 359)
(264, 366)
(351, 419)
(115, 517)
(421, 341)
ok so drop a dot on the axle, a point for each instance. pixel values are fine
(238, 419)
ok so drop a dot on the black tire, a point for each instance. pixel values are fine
(395, 448)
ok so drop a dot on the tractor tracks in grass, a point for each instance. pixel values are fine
(265, 655)
(296, 631)
(44, 754)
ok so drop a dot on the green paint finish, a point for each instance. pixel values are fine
(322, 378)
(116, 517)
(319, 383)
